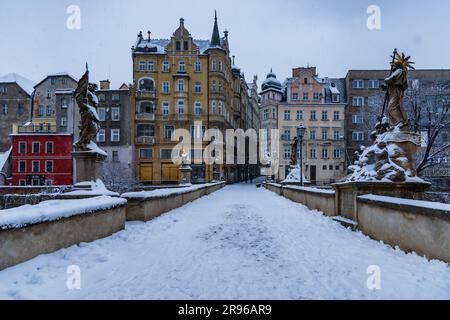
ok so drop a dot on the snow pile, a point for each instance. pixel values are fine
(162, 193)
(307, 189)
(53, 210)
(95, 148)
(409, 202)
(294, 176)
(96, 188)
(240, 243)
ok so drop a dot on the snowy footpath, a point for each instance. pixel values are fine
(238, 243)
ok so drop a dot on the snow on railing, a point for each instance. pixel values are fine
(408, 202)
(53, 210)
(306, 189)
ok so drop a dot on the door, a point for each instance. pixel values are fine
(146, 172)
(313, 174)
(169, 173)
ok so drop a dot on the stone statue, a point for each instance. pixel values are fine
(87, 103)
(391, 157)
(395, 86)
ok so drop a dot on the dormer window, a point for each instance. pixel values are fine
(336, 98)
(305, 81)
(178, 46)
(185, 46)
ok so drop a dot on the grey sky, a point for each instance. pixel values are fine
(282, 34)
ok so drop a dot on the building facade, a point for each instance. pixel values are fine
(115, 137)
(40, 159)
(182, 83)
(15, 104)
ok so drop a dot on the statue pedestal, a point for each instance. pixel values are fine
(88, 166)
(185, 175)
(347, 193)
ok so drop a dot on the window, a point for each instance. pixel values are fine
(305, 96)
(115, 135)
(357, 119)
(337, 154)
(313, 115)
(313, 154)
(287, 114)
(316, 96)
(147, 107)
(182, 67)
(220, 86)
(168, 132)
(324, 153)
(180, 107)
(49, 166)
(115, 156)
(305, 80)
(214, 65)
(145, 130)
(49, 94)
(63, 122)
(166, 66)
(337, 135)
(220, 107)
(142, 66)
(20, 109)
(115, 97)
(266, 114)
(102, 114)
(198, 66)
(115, 114)
(22, 183)
(336, 115)
(5, 108)
(295, 96)
(198, 87)
(150, 66)
(22, 147)
(22, 166)
(336, 98)
(214, 88)
(181, 85)
(299, 114)
(146, 153)
(287, 134)
(358, 136)
(274, 113)
(374, 84)
(36, 147)
(64, 103)
(101, 97)
(49, 111)
(166, 87)
(358, 101)
(101, 136)
(198, 108)
(178, 46)
(49, 147)
(312, 135)
(36, 166)
(146, 84)
(185, 46)
(324, 134)
(166, 153)
(358, 84)
(287, 153)
(165, 108)
(324, 115)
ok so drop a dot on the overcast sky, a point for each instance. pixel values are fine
(264, 34)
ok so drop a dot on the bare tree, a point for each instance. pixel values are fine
(117, 178)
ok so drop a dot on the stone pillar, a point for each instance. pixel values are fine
(88, 166)
(185, 175)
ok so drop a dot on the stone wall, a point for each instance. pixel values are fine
(148, 208)
(22, 244)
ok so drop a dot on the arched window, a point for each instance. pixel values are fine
(147, 107)
(146, 130)
(146, 84)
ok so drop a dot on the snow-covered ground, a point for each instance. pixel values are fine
(238, 243)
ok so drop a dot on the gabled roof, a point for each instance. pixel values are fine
(26, 84)
(60, 74)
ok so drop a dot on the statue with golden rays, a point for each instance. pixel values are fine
(396, 85)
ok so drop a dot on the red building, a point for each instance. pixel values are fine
(40, 159)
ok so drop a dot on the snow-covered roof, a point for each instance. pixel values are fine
(59, 74)
(158, 46)
(4, 157)
(26, 84)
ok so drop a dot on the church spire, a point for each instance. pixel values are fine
(215, 39)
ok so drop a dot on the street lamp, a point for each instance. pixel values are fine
(300, 134)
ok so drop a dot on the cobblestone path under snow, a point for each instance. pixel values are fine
(239, 243)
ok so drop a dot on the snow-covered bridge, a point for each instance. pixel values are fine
(238, 243)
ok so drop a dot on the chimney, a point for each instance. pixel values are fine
(105, 85)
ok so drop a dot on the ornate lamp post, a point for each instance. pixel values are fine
(300, 134)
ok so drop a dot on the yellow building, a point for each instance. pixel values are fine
(179, 82)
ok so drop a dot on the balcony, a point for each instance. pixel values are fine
(145, 117)
(148, 141)
(37, 128)
(145, 94)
